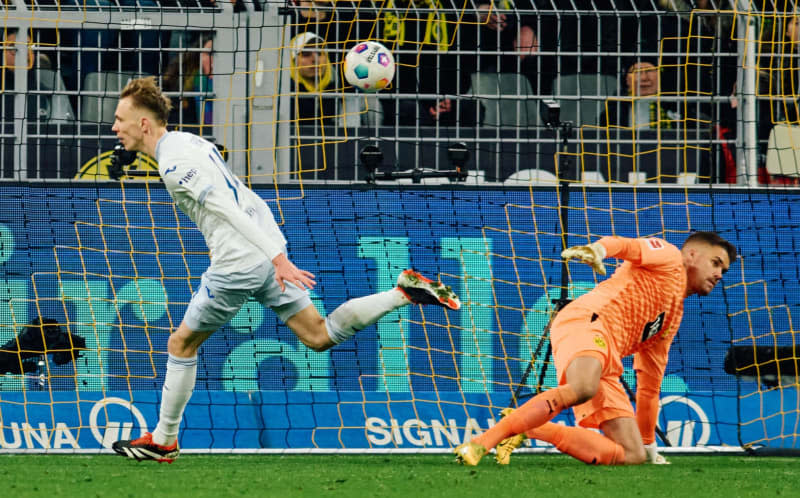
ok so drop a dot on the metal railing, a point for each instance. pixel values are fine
(254, 99)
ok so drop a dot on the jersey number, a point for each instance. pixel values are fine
(654, 327)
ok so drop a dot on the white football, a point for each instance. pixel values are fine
(369, 66)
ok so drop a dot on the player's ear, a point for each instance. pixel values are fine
(689, 253)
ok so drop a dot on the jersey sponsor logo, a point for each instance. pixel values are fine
(655, 243)
(188, 176)
(654, 327)
(422, 433)
(599, 341)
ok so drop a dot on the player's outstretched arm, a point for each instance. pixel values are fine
(286, 271)
(648, 388)
(591, 254)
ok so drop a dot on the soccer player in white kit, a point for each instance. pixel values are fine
(248, 258)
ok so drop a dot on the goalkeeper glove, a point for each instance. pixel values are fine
(591, 254)
(653, 456)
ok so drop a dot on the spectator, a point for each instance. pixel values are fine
(192, 72)
(786, 77)
(36, 60)
(75, 65)
(312, 72)
(308, 11)
(509, 28)
(421, 45)
(710, 68)
(578, 38)
(779, 80)
(42, 61)
(711, 54)
(340, 28)
(643, 109)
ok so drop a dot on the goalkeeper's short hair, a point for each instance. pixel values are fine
(714, 239)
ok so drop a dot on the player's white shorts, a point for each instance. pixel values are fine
(220, 296)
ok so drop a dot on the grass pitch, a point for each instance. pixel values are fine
(415, 476)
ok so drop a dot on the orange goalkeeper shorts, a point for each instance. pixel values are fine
(579, 332)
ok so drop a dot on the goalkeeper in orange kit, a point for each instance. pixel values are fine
(636, 311)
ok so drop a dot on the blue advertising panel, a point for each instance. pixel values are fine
(119, 265)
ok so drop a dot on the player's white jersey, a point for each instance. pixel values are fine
(237, 224)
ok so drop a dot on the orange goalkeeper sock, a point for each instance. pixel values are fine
(583, 444)
(537, 411)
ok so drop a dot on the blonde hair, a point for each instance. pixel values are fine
(145, 94)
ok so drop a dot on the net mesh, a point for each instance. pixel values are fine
(644, 146)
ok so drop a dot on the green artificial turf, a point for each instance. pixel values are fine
(415, 476)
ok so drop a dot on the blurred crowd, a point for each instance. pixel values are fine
(627, 64)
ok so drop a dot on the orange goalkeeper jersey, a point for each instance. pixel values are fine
(641, 304)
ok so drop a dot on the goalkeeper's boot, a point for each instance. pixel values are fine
(145, 449)
(469, 453)
(505, 447)
(421, 290)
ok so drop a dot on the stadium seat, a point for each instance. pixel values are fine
(528, 176)
(512, 112)
(593, 90)
(100, 108)
(475, 177)
(593, 178)
(637, 177)
(783, 150)
(53, 106)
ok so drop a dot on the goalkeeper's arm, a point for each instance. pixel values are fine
(592, 254)
(648, 388)
(647, 252)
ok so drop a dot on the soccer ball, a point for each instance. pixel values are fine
(369, 66)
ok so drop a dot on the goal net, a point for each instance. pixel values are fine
(508, 133)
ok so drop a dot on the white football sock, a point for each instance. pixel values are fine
(359, 313)
(178, 387)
